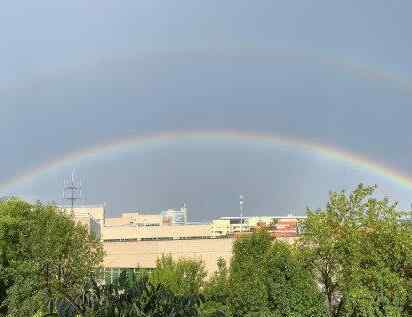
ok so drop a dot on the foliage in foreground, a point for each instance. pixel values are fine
(269, 278)
(142, 299)
(182, 276)
(361, 254)
(45, 256)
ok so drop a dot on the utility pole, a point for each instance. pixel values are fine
(72, 191)
(241, 203)
(410, 215)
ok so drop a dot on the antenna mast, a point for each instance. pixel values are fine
(241, 203)
(72, 191)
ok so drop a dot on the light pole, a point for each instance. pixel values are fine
(241, 203)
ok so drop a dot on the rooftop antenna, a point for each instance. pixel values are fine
(72, 191)
(241, 203)
(410, 214)
(184, 208)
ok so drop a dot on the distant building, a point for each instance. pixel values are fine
(279, 226)
(287, 227)
(137, 239)
(175, 217)
(229, 225)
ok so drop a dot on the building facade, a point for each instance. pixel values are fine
(135, 240)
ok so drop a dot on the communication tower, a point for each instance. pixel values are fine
(241, 205)
(72, 191)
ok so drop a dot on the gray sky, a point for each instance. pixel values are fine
(82, 73)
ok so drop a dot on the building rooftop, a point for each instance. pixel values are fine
(103, 205)
(274, 217)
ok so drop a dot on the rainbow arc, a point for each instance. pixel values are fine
(136, 143)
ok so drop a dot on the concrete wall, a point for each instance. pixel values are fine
(119, 232)
(95, 211)
(134, 218)
(144, 254)
(173, 231)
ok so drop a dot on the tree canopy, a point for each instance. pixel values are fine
(269, 279)
(361, 253)
(182, 276)
(46, 256)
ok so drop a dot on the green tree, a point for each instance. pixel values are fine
(182, 276)
(216, 292)
(248, 274)
(268, 278)
(13, 212)
(292, 291)
(142, 299)
(49, 256)
(216, 287)
(360, 252)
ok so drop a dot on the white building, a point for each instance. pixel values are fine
(175, 217)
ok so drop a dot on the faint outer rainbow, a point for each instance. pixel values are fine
(362, 71)
(129, 144)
